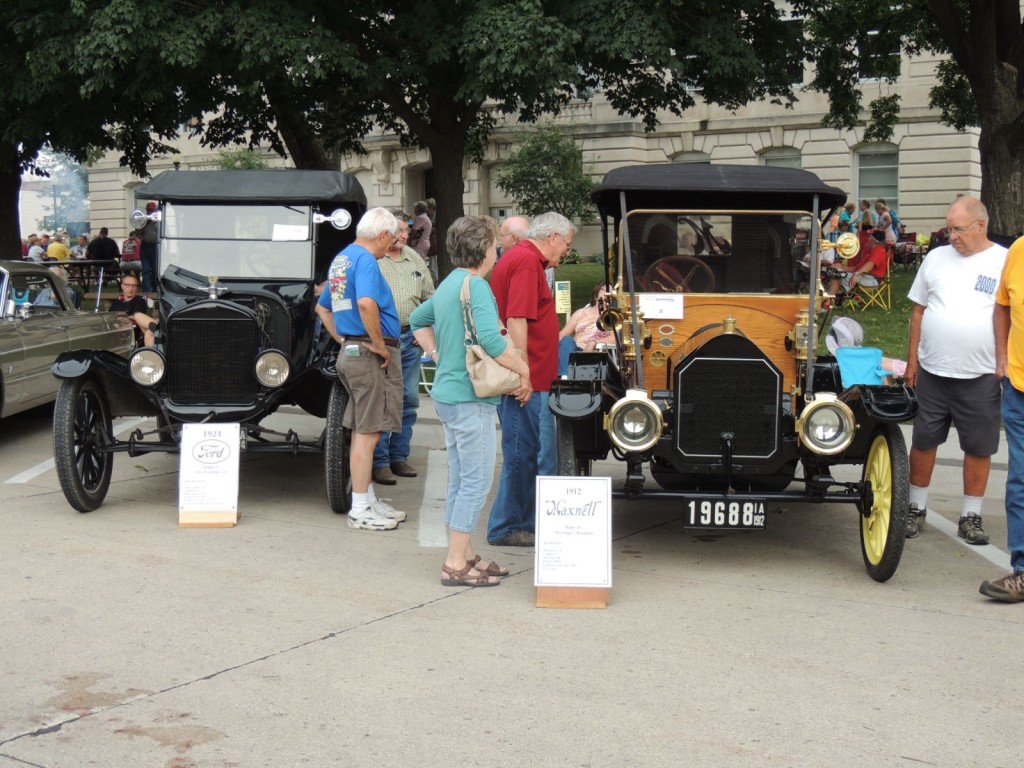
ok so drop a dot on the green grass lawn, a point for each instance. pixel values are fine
(886, 330)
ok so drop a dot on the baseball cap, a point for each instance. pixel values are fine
(150, 206)
(845, 332)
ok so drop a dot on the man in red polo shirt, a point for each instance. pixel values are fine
(527, 308)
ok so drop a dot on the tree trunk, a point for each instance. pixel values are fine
(10, 220)
(1001, 147)
(447, 160)
(305, 146)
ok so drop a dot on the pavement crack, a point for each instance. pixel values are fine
(57, 726)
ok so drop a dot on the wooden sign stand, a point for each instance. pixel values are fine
(573, 556)
(573, 597)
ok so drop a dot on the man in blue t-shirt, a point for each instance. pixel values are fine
(358, 310)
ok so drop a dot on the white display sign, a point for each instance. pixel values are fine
(290, 232)
(661, 306)
(208, 476)
(573, 532)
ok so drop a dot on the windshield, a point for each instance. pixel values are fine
(716, 252)
(238, 241)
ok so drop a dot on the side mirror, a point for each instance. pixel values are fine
(139, 218)
(339, 219)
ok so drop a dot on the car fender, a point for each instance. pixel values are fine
(889, 403)
(79, 362)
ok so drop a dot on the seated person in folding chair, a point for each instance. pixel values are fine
(136, 308)
(867, 268)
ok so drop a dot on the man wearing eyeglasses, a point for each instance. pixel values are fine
(527, 307)
(952, 362)
(135, 307)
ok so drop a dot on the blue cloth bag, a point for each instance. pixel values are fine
(861, 365)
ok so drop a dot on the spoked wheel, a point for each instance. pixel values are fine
(81, 429)
(883, 530)
(336, 444)
(568, 462)
(680, 274)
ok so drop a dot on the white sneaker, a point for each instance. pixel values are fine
(384, 509)
(370, 519)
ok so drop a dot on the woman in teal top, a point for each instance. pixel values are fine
(468, 420)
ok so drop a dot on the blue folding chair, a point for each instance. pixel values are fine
(861, 365)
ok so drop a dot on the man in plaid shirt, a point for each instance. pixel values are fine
(411, 284)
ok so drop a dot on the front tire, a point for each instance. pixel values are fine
(569, 463)
(336, 447)
(81, 430)
(883, 530)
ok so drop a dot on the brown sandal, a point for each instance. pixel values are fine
(492, 569)
(461, 577)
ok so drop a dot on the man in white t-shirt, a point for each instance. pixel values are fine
(952, 362)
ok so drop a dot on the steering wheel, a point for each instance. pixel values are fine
(680, 274)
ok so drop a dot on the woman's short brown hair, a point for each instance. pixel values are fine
(469, 238)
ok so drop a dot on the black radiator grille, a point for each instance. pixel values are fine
(727, 395)
(210, 360)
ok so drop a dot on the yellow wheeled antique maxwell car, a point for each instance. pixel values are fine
(714, 382)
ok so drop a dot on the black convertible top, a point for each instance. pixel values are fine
(280, 186)
(710, 187)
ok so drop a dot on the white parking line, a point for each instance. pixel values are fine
(432, 531)
(45, 466)
(991, 553)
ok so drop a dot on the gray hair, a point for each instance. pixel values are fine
(375, 222)
(551, 223)
(469, 238)
(399, 214)
(972, 206)
(420, 207)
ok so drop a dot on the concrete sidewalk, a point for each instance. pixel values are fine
(293, 640)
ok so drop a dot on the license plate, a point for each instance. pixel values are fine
(722, 513)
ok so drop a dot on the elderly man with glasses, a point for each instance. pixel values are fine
(527, 307)
(952, 362)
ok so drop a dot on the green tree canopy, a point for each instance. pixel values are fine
(545, 173)
(314, 76)
(981, 84)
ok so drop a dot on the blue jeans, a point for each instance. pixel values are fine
(396, 446)
(565, 348)
(1013, 420)
(547, 460)
(470, 437)
(148, 254)
(516, 501)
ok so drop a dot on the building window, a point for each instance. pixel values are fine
(795, 31)
(879, 55)
(878, 174)
(782, 157)
(692, 157)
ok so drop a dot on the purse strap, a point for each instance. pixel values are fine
(467, 315)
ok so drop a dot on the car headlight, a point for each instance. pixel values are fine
(272, 369)
(147, 366)
(826, 425)
(634, 422)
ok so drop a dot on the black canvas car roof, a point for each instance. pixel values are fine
(273, 186)
(711, 187)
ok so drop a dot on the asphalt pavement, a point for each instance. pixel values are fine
(292, 640)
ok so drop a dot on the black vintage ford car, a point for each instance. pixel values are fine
(240, 256)
(714, 383)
